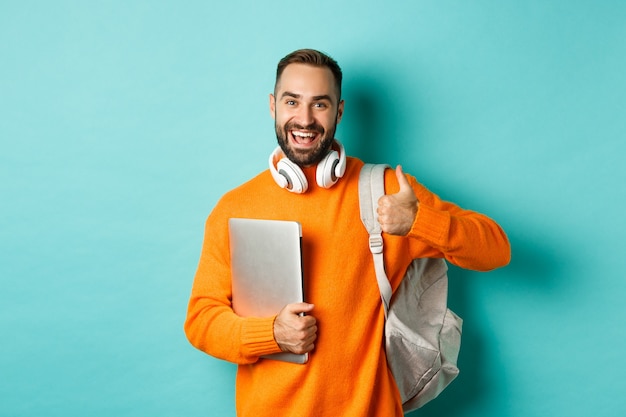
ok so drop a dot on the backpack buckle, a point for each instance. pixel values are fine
(376, 243)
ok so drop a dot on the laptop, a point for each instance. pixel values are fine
(266, 264)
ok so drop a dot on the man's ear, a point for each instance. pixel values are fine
(272, 106)
(339, 111)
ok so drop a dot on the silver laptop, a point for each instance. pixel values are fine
(266, 264)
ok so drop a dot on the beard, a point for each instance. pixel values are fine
(305, 158)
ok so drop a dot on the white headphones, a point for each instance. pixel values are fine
(288, 175)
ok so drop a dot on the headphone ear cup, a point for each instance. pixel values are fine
(340, 167)
(325, 174)
(296, 180)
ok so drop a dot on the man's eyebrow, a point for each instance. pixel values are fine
(290, 94)
(315, 98)
(322, 97)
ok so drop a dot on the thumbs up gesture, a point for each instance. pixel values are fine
(396, 212)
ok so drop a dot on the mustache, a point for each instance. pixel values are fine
(313, 127)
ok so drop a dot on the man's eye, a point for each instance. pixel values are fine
(291, 103)
(320, 105)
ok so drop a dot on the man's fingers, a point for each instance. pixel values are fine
(296, 316)
(299, 308)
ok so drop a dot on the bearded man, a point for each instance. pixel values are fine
(341, 325)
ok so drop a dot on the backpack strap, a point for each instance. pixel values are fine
(371, 188)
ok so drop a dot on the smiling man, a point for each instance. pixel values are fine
(306, 107)
(311, 180)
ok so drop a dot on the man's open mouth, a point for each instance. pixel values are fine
(303, 137)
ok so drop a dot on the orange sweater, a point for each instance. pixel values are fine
(347, 372)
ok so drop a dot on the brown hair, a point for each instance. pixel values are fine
(314, 58)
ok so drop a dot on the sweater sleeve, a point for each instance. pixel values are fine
(211, 324)
(465, 238)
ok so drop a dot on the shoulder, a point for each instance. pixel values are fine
(254, 185)
(252, 190)
(353, 167)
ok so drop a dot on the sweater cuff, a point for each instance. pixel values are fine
(258, 336)
(431, 225)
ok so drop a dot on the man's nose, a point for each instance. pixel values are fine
(305, 116)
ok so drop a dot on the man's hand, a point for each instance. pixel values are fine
(293, 331)
(396, 212)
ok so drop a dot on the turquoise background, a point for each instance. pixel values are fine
(122, 123)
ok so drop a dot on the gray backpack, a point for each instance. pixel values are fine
(422, 336)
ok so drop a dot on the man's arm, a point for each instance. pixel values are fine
(466, 238)
(213, 327)
(211, 324)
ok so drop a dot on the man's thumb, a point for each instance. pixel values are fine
(402, 180)
(298, 308)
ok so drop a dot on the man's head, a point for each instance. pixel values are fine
(315, 59)
(306, 105)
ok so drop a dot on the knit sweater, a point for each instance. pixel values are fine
(347, 373)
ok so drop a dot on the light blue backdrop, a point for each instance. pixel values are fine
(121, 124)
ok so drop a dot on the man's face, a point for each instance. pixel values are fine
(306, 111)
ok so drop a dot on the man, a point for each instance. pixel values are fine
(343, 321)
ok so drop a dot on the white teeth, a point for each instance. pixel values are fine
(303, 134)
